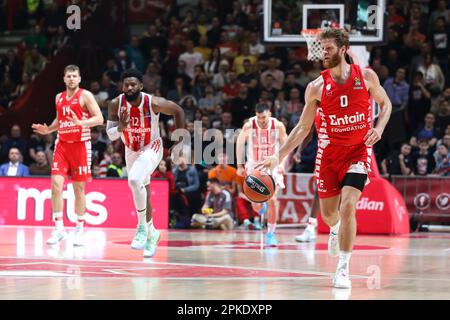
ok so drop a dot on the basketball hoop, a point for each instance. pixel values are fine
(314, 48)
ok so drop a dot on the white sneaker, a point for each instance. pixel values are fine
(333, 244)
(341, 279)
(309, 235)
(140, 238)
(78, 238)
(151, 244)
(57, 236)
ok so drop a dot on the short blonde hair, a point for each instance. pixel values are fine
(72, 67)
(339, 35)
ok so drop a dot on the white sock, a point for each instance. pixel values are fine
(80, 222)
(256, 219)
(344, 259)
(335, 228)
(142, 216)
(312, 224)
(58, 218)
(150, 227)
(271, 227)
(246, 221)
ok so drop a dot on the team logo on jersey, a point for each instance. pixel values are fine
(328, 87)
(357, 84)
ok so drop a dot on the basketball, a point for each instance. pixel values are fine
(259, 186)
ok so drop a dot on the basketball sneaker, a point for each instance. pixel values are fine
(271, 240)
(140, 238)
(78, 237)
(57, 236)
(246, 224)
(257, 224)
(309, 235)
(151, 244)
(341, 279)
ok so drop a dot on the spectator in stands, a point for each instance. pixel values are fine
(199, 82)
(256, 48)
(442, 158)
(440, 11)
(107, 160)
(98, 146)
(123, 61)
(276, 73)
(398, 163)
(203, 48)
(212, 64)
(15, 167)
(398, 90)
(249, 78)
(116, 168)
(58, 41)
(423, 162)
(187, 182)
(222, 77)
(419, 101)
(304, 163)
(41, 166)
(427, 132)
(243, 105)
(34, 63)
(178, 92)
(228, 48)
(189, 105)
(22, 87)
(269, 85)
(112, 70)
(191, 58)
(209, 101)
(214, 32)
(153, 40)
(152, 75)
(54, 19)
(217, 210)
(15, 140)
(443, 116)
(434, 78)
(100, 96)
(36, 39)
(109, 87)
(244, 54)
(12, 66)
(231, 89)
(440, 37)
(135, 54)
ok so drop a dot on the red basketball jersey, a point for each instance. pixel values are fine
(144, 123)
(345, 109)
(67, 130)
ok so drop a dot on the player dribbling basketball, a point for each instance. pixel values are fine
(264, 135)
(341, 95)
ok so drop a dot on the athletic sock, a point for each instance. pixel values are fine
(150, 227)
(335, 228)
(58, 218)
(344, 259)
(312, 224)
(271, 227)
(80, 222)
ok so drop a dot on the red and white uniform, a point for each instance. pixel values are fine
(144, 148)
(73, 151)
(262, 143)
(345, 117)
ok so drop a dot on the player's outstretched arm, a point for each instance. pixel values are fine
(300, 131)
(380, 96)
(169, 108)
(43, 129)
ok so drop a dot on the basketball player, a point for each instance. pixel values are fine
(133, 116)
(346, 136)
(76, 112)
(264, 136)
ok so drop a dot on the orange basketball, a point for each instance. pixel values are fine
(259, 186)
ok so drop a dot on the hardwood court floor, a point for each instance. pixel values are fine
(204, 265)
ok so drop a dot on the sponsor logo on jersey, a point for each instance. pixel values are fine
(357, 85)
(345, 120)
(66, 124)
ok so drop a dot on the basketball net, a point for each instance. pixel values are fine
(314, 48)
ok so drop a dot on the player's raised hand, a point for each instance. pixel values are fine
(372, 137)
(268, 164)
(124, 118)
(40, 128)
(74, 118)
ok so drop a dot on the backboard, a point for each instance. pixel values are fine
(284, 20)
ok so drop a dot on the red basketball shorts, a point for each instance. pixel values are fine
(333, 162)
(73, 159)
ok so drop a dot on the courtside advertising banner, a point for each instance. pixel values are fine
(109, 203)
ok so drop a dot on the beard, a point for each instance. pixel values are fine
(132, 96)
(332, 62)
